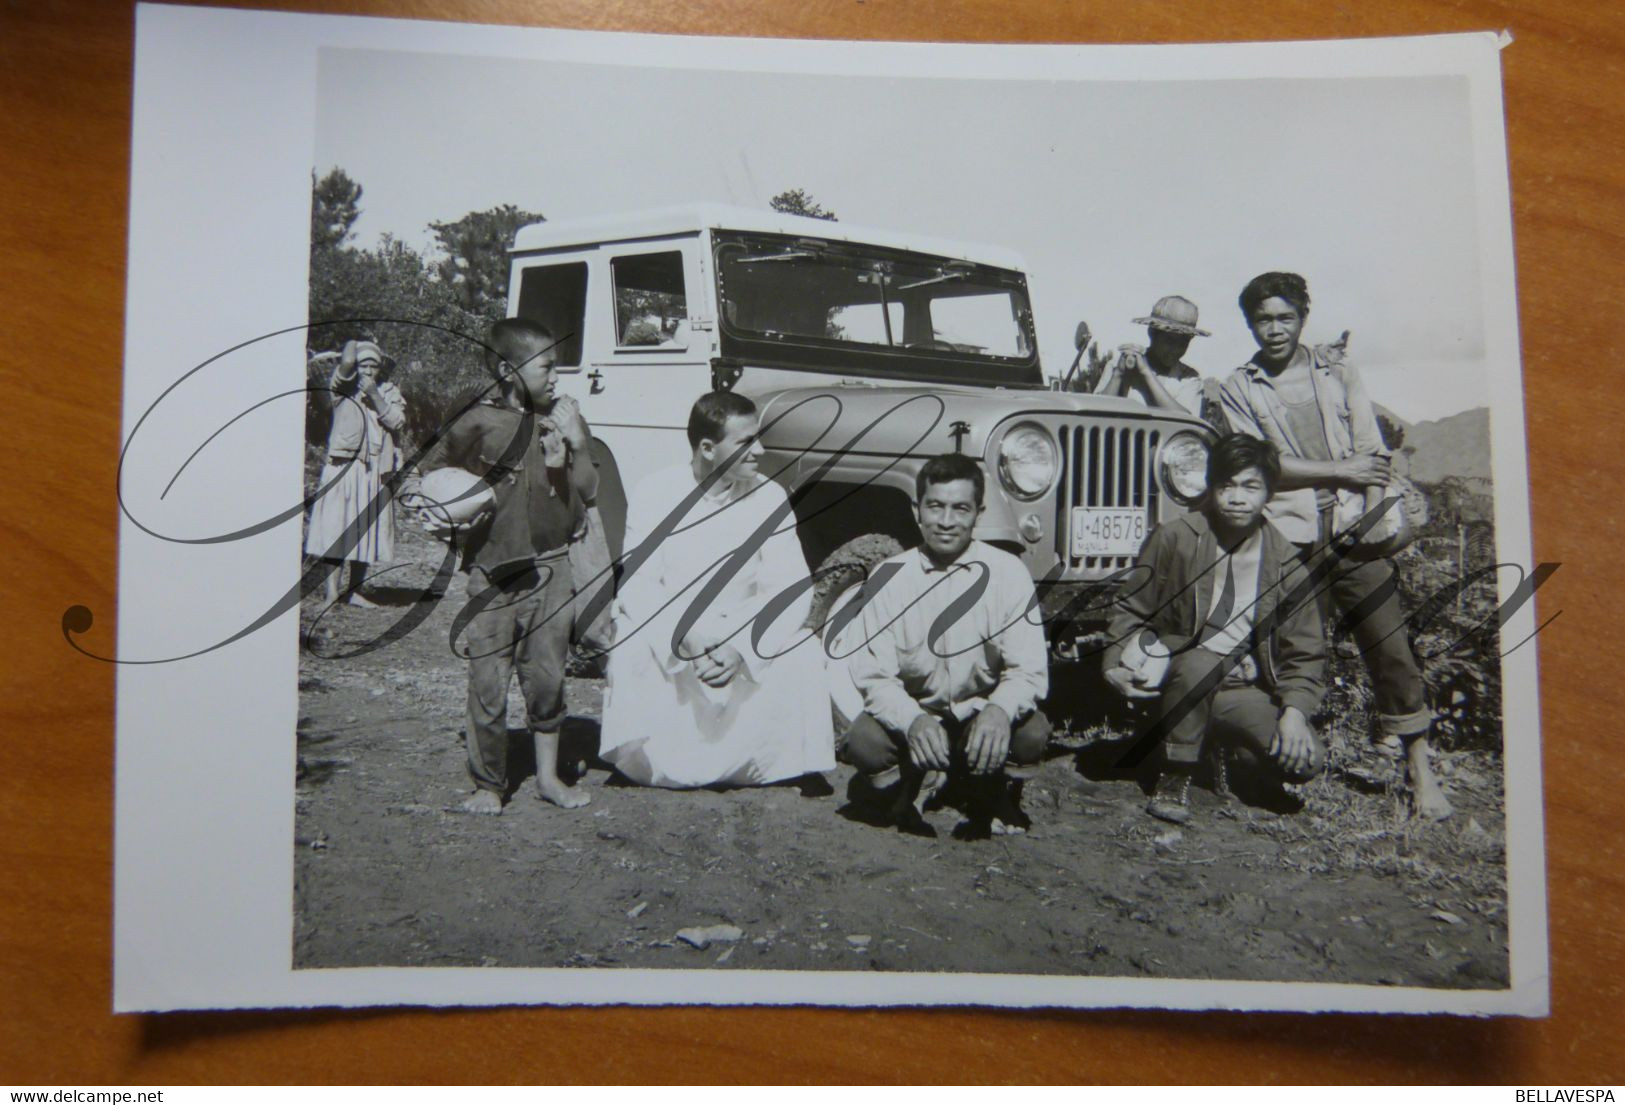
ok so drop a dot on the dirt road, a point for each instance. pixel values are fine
(1345, 891)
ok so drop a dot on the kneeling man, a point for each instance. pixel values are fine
(952, 665)
(1213, 590)
(739, 698)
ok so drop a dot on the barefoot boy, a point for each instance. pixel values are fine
(1214, 588)
(534, 450)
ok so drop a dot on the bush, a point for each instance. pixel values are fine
(391, 295)
(1455, 639)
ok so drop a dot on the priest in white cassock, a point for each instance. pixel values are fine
(725, 701)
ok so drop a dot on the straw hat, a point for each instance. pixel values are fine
(1176, 314)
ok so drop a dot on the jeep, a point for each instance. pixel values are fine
(867, 352)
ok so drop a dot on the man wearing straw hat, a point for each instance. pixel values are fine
(1155, 373)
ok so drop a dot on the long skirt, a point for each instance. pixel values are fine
(668, 729)
(351, 499)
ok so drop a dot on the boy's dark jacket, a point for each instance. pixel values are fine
(491, 440)
(1173, 579)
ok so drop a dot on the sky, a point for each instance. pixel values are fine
(1114, 193)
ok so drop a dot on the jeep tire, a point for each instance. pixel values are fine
(849, 565)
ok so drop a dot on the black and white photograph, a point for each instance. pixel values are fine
(849, 523)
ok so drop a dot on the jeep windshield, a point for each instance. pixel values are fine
(858, 309)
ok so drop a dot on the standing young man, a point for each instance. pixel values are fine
(949, 690)
(534, 450)
(1312, 406)
(1247, 664)
(1157, 373)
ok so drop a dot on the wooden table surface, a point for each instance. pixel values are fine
(65, 71)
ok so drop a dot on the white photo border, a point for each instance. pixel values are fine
(224, 116)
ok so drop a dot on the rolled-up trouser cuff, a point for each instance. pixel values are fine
(1406, 725)
(882, 780)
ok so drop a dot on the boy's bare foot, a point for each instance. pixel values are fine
(1428, 800)
(358, 599)
(554, 791)
(549, 787)
(483, 802)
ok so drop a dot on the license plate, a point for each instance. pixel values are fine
(1107, 531)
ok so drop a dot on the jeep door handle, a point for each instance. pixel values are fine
(596, 382)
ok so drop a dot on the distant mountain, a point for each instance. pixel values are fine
(1455, 446)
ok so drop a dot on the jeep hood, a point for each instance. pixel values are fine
(921, 421)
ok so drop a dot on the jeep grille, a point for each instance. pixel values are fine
(1104, 466)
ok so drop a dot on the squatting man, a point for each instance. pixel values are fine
(949, 698)
(1218, 632)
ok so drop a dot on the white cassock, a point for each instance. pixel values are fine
(664, 727)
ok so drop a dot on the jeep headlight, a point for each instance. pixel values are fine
(1184, 467)
(1027, 461)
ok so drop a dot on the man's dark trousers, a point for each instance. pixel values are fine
(880, 753)
(1238, 712)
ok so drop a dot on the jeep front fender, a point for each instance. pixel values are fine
(997, 525)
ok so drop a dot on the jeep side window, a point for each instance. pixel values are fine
(556, 297)
(651, 307)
